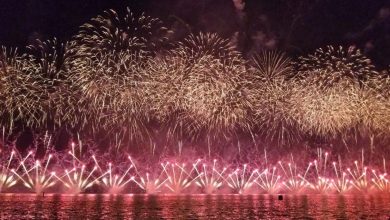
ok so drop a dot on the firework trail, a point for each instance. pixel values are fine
(150, 183)
(81, 169)
(269, 178)
(115, 177)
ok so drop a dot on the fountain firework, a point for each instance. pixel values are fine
(209, 178)
(79, 176)
(82, 169)
(7, 177)
(34, 174)
(242, 180)
(179, 178)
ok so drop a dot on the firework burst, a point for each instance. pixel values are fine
(271, 92)
(326, 112)
(201, 83)
(110, 53)
(51, 61)
(332, 65)
(19, 95)
(271, 66)
(112, 32)
(375, 106)
(113, 92)
(332, 82)
(274, 111)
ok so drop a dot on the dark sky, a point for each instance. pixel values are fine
(297, 26)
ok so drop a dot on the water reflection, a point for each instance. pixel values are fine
(19, 206)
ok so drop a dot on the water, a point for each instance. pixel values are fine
(22, 206)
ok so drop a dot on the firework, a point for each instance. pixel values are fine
(19, 96)
(34, 170)
(332, 65)
(294, 181)
(35, 174)
(51, 63)
(81, 175)
(375, 106)
(199, 83)
(113, 178)
(271, 66)
(106, 73)
(209, 178)
(179, 178)
(333, 80)
(81, 169)
(7, 177)
(211, 44)
(321, 182)
(111, 32)
(380, 180)
(151, 183)
(113, 92)
(269, 180)
(242, 180)
(358, 175)
(326, 112)
(340, 183)
(274, 111)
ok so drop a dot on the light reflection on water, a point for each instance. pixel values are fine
(21, 206)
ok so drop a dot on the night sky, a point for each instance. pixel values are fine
(297, 26)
